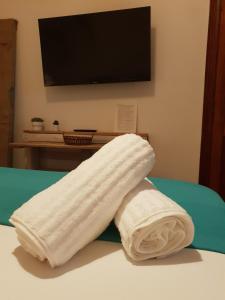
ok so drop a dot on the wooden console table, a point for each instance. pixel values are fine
(38, 154)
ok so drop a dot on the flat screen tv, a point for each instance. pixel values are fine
(103, 47)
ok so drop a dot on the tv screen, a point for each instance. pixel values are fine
(103, 47)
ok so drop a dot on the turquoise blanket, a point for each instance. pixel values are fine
(205, 206)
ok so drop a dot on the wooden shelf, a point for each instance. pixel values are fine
(50, 145)
(98, 133)
(39, 154)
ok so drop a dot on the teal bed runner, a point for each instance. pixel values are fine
(205, 206)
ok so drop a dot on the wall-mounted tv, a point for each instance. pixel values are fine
(103, 47)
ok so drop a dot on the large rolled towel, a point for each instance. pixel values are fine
(151, 224)
(59, 221)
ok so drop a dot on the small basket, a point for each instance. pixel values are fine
(77, 139)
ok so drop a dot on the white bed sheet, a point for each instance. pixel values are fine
(102, 271)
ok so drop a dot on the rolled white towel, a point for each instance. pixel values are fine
(151, 224)
(59, 221)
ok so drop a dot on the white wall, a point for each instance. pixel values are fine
(169, 107)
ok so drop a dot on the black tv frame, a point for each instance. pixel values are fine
(145, 62)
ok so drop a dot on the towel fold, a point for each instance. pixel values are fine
(151, 224)
(59, 221)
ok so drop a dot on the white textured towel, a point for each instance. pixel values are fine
(151, 224)
(59, 221)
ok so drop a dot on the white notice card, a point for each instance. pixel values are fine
(126, 118)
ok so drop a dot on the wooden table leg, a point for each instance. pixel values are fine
(32, 158)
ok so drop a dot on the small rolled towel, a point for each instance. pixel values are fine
(151, 224)
(59, 221)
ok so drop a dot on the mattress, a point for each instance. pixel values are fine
(102, 271)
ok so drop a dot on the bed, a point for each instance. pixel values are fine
(102, 270)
